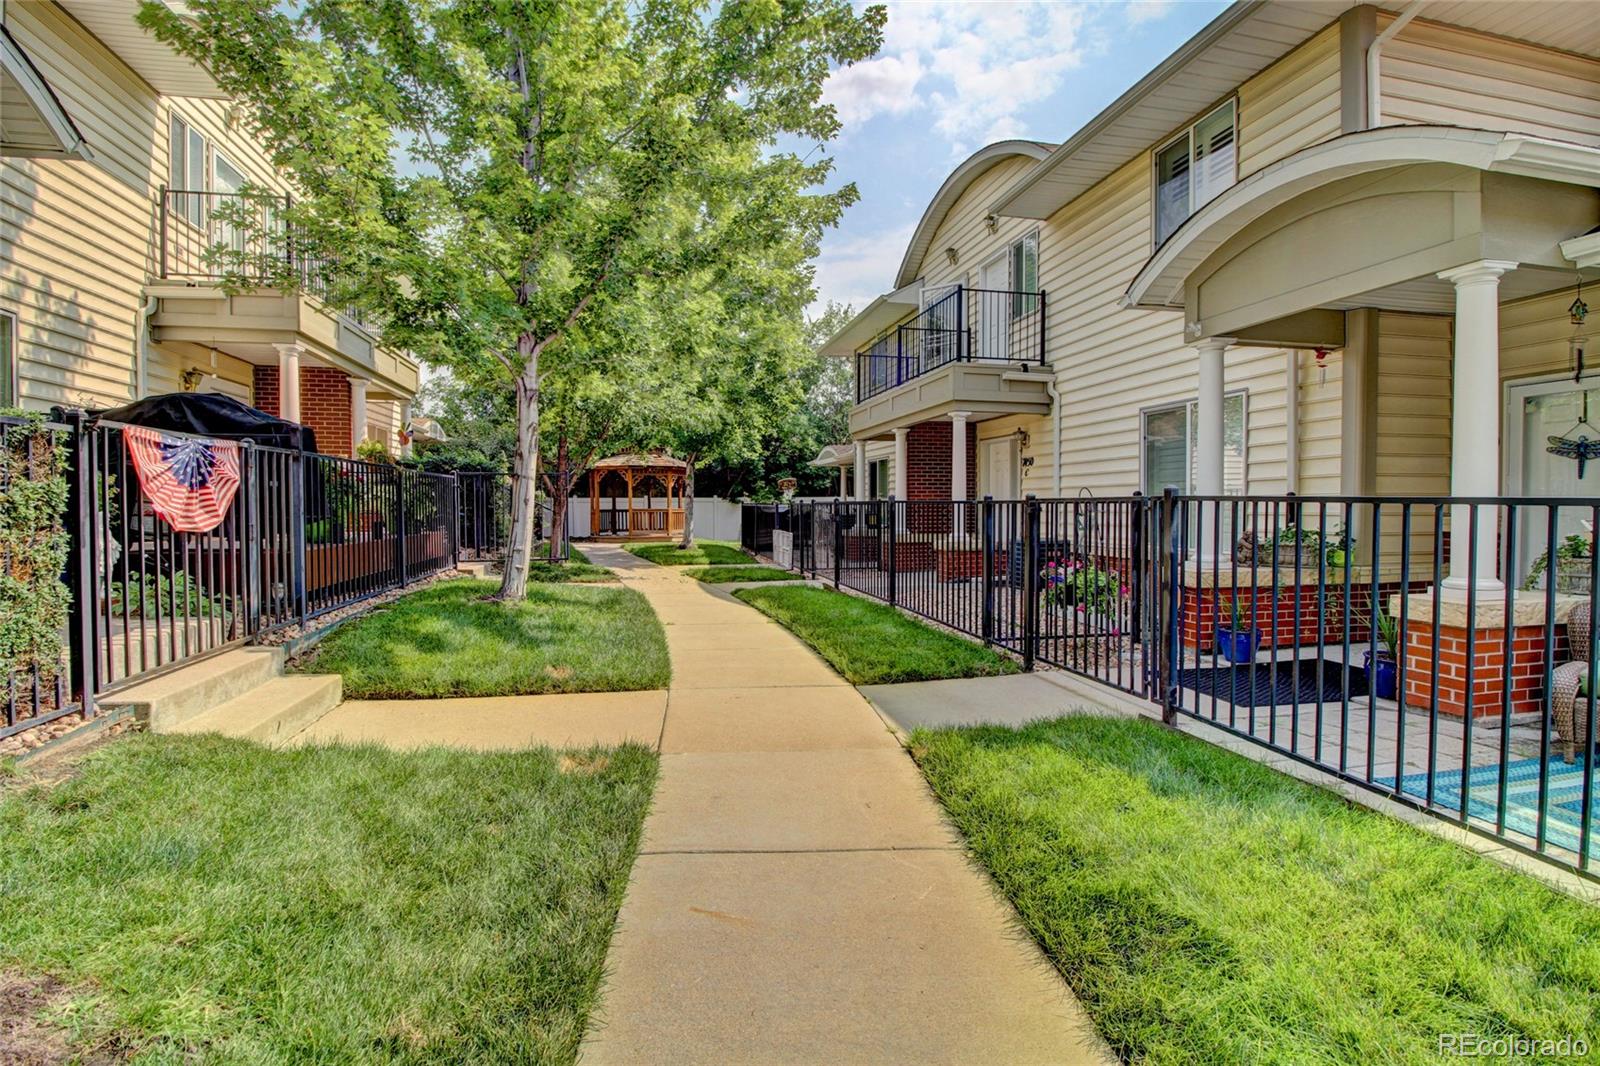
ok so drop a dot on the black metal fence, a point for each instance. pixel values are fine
(305, 534)
(964, 325)
(1434, 650)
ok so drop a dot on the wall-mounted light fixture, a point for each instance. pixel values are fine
(992, 221)
(952, 255)
(1022, 437)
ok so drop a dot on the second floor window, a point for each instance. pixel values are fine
(1025, 275)
(1194, 167)
(186, 158)
(8, 359)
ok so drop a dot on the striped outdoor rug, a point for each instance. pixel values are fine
(1564, 804)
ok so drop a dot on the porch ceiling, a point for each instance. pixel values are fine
(1431, 295)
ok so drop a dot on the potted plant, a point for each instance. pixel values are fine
(1572, 566)
(1380, 661)
(1237, 641)
(1293, 543)
(1337, 549)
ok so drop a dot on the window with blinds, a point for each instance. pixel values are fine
(1194, 167)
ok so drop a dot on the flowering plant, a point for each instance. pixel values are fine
(1089, 588)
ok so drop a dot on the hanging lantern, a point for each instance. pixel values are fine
(1577, 313)
(1322, 366)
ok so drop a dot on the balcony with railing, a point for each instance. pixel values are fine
(971, 349)
(964, 325)
(234, 273)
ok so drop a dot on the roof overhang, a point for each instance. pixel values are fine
(1238, 44)
(32, 121)
(876, 317)
(835, 455)
(960, 179)
(1161, 282)
(162, 66)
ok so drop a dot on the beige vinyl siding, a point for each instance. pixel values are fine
(1112, 363)
(1413, 431)
(76, 234)
(1442, 75)
(224, 373)
(964, 230)
(1536, 337)
(1291, 105)
(1321, 424)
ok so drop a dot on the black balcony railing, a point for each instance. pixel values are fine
(988, 325)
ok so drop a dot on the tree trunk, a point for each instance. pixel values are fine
(560, 493)
(688, 504)
(524, 495)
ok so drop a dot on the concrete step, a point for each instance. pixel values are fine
(273, 712)
(165, 703)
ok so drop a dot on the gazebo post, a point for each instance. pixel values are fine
(594, 503)
(627, 475)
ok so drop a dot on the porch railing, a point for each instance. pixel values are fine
(305, 534)
(964, 325)
(1432, 650)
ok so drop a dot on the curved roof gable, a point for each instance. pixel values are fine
(960, 179)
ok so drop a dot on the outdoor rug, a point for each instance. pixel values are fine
(1275, 684)
(1565, 802)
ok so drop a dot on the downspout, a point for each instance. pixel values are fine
(1374, 50)
(1055, 413)
(141, 365)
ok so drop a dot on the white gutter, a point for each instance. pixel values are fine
(1055, 417)
(1374, 50)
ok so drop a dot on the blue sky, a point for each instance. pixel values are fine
(955, 75)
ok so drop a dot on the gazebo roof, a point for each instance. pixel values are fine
(636, 461)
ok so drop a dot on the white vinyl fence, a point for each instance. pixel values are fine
(714, 517)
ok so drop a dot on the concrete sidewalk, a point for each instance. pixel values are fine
(799, 896)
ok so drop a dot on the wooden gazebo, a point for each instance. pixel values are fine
(622, 503)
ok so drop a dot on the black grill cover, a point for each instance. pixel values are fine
(213, 415)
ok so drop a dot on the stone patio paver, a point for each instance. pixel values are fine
(799, 897)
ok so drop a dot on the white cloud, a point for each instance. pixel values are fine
(856, 269)
(1141, 11)
(975, 67)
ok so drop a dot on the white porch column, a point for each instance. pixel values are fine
(289, 380)
(358, 412)
(861, 470)
(1208, 480)
(902, 466)
(405, 427)
(844, 481)
(1475, 417)
(958, 454)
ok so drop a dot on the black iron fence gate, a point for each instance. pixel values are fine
(1434, 650)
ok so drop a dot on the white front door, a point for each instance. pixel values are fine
(991, 309)
(1535, 413)
(1000, 469)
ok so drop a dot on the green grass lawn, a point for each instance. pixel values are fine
(204, 899)
(1206, 909)
(577, 568)
(726, 574)
(704, 553)
(871, 643)
(450, 640)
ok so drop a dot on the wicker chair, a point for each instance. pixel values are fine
(1571, 716)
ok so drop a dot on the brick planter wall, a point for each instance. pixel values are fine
(1204, 609)
(959, 564)
(1488, 671)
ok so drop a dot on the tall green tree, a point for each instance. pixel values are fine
(556, 155)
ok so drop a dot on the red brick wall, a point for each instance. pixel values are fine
(1488, 669)
(928, 474)
(324, 403)
(325, 407)
(1203, 610)
(264, 389)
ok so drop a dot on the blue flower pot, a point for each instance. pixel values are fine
(1380, 676)
(1238, 646)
